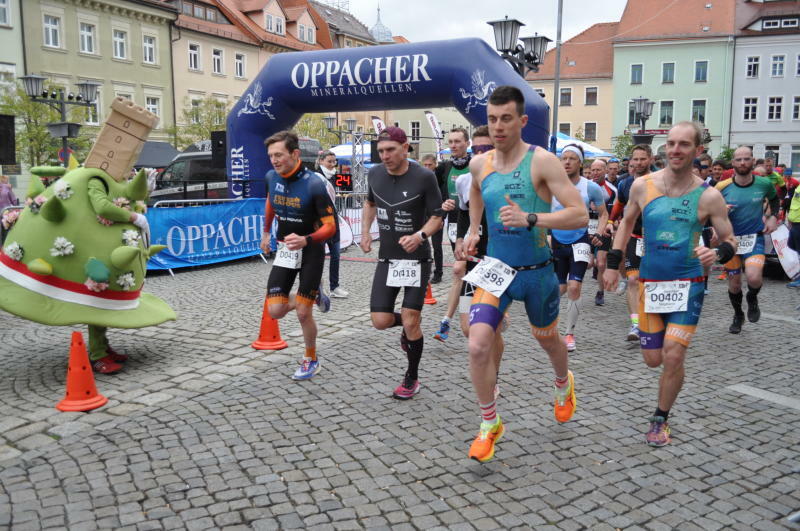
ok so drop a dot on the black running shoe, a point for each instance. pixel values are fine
(753, 312)
(736, 325)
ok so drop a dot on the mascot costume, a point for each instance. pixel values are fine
(77, 252)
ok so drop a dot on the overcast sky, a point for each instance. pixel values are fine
(427, 20)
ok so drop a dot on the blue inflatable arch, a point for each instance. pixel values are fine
(461, 73)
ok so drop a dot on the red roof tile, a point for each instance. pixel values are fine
(663, 19)
(590, 54)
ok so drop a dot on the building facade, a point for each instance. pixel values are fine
(12, 56)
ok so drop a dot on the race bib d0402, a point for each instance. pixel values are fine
(666, 296)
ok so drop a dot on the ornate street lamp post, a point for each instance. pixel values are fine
(643, 109)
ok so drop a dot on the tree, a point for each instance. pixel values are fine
(34, 145)
(200, 117)
(579, 135)
(313, 126)
(726, 153)
(623, 144)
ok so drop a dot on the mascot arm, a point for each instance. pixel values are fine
(102, 204)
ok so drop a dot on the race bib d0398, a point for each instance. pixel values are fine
(452, 231)
(491, 275)
(287, 258)
(666, 296)
(404, 274)
(745, 243)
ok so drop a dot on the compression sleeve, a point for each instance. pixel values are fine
(269, 215)
(324, 210)
(617, 211)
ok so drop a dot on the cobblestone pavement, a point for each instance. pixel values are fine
(201, 431)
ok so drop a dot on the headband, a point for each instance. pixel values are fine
(573, 149)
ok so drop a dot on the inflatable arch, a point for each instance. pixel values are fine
(461, 73)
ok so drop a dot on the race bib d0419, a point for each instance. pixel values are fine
(404, 274)
(287, 258)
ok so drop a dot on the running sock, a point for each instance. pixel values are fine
(752, 294)
(445, 319)
(561, 382)
(635, 319)
(489, 412)
(414, 357)
(398, 320)
(661, 413)
(573, 310)
(736, 302)
(311, 353)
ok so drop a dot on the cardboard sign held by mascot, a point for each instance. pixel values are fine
(77, 253)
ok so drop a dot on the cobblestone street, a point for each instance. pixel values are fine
(201, 431)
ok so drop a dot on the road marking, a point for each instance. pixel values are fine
(792, 320)
(755, 392)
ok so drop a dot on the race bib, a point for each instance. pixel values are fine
(452, 231)
(580, 252)
(288, 259)
(746, 243)
(666, 296)
(639, 246)
(491, 275)
(592, 228)
(404, 274)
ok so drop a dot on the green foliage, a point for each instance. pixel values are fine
(726, 153)
(313, 126)
(579, 134)
(200, 119)
(623, 144)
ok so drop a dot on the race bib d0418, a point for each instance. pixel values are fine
(404, 274)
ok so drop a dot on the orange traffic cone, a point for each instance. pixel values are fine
(81, 394)
(269, 336)
(429, 296)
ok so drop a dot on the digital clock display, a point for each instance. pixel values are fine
(343, 182)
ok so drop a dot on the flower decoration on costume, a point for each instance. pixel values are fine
(36, 203)
(123, 202)
(140, 207)
(103, 221)
(126, 281)
(95, 286)
(10, 217)
(62, 247)
(130, 237)
(14, 251)
(62, 189)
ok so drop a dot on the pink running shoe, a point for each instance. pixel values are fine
(407, 389)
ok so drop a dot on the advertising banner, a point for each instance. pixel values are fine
(206, 234)
(788, 258)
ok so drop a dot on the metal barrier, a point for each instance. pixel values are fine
(190, 202)
(349, 206)
(3, 230)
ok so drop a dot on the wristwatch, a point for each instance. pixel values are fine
(423, 235)
(532, 219)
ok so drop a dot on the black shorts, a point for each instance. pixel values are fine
(632, 261)
(565, 265)
(281, 279)
(383, 297)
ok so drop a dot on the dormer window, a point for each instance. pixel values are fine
(280, 25)
(771, 24)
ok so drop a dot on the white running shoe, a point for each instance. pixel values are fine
(340, 293)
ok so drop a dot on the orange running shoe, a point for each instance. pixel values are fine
(565, 401)
(482, 448)
(723, 276)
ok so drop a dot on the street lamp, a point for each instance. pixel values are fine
(87, 94)
(522, 58)
(643, 109)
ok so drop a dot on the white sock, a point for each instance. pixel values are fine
(573, 310)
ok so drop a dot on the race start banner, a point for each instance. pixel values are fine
(206, 234)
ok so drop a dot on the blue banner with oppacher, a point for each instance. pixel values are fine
(206, 234)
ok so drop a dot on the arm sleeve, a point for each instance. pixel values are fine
(269, 215)
(324, 209)
(616, 211)
(102, 204)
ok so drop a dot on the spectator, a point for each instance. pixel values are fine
(793, 219)
(7, 197)
(326, 163)
(718, 167)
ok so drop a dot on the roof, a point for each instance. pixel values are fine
(590, 54)
(748, 12)
(342, 22)
(248, 25)
(225, 31)
(399, 39)
(676, 19)
(248, 6)
(294, 13)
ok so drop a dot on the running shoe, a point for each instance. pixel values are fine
(570, 340)
(323, 301)
(622, 287)
(340, 293)
(444, 329)
(565, 401)
(794, 283)
(437, 278)
(753, 312)
(658, 434)
(308, 369)
(116, 356)
(106, 365)
(600, 299)
(736, 325)
(633, 333)
(723, 276)
(407, 389)
(482, 448)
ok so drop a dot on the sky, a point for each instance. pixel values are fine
(427, 20)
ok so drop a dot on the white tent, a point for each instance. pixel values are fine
(589, 151)
(345, 151)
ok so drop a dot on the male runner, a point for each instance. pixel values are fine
(298, 199)
(572, 248)
(516, 183)
(447, 173)
(612, 170)
(600, 176)
(674, 205)
(745, 194)
(638, 165)
(402, 195)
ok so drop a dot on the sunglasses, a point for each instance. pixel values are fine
(482, 148)
(704, 167)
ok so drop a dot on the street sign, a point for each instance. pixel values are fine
(61, 154)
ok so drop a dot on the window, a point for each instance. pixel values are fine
(565, 128)
(279, 25)
(797, 67)
(301, 32)
(211, 15)
(665, 113)
(590, 96)
(87, 39)
(120, 39)
(310, 34)
(216, 60)
(590, 131)
(750, 109)
(771, 24)
(668, 73)
(153, 105)
(194, 113)
(149, 49)
(752, 66)
(238, 65)
(93, 113)
(699, 111)
(5, 18)
(775, 108)
(194, 57)
(125, 95)
(636, 74)
(348, 43)
(414, 130)
(219, 113)
(631, 113)
(790, 23)
(776, 68)
(700, 71)
(199, 12)
(52, 31)
(268, 24)
(796, 108)
(566, 97)
(187, 8)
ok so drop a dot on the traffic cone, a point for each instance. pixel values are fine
(429, 296)
(269, 336)
(81, 394)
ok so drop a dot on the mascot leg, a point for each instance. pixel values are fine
(98, 355)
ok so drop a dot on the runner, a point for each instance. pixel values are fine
(516, 183)
(572, 248)
(745, 194)
(297, 198)
(638, 165)
(446, 174)
(674, 205)
(400, 194)
(600, 249)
